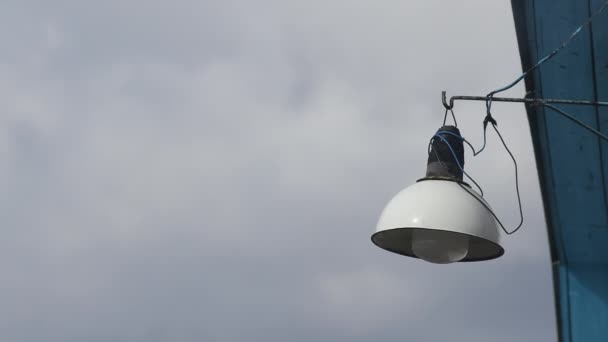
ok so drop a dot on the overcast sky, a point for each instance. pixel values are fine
(213, 171)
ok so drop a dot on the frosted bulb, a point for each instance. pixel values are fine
(439, 247)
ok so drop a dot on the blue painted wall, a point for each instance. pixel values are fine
(572, 163)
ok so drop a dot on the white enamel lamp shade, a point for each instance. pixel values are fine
(442, 217)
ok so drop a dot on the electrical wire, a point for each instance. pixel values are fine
(488, 209)
(521, 214)
(475, 153)
(483, 147)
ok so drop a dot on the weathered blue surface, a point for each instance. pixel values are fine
(572, 163)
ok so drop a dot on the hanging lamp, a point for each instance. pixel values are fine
(440, 219)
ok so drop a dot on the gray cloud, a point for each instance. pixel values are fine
(213, 171)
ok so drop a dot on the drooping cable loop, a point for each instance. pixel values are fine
(521, 214)
(440, 135)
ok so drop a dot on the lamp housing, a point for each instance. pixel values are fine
(439, 218)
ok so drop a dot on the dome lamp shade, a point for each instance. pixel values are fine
(440, 219)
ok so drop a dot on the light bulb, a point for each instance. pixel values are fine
(439, 247)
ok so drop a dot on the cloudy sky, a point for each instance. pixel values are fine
(213, 170)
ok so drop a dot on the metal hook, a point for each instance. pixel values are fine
(445, 104)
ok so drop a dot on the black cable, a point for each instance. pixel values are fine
(576, 121)
(488, 119)
(475, 153)
(521, 214)
(487, 208)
